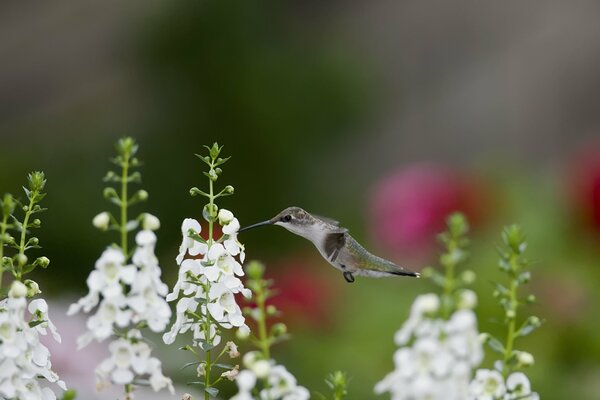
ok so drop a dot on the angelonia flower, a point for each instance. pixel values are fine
(277, 382)
(25, 367)
(490, 385)
(436, 356)
(23, 359)
(125, 294)
(208, 282)
(129, 360)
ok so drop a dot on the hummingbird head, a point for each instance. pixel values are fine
(292, 218)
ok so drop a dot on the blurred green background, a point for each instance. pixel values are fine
(384, 115)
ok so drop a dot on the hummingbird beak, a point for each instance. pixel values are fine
(267, 222)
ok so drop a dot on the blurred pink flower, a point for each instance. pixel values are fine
(408, 207)
(304, 294)
(584, 183)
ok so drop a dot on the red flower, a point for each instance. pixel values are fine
(584, 185)
(304, 294)
(408, 208)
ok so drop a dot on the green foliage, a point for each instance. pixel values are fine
(125, 161)
(19, 263)
(513, 263)
(455, 255)
(262, 291)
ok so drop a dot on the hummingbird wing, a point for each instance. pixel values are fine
(330, 221)
(333, 243)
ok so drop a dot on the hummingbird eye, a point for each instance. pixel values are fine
(286, 218)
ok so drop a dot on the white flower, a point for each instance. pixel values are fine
(101, 221)
(225, 216)
(190, 245)
(17, 289)
(130, 358)
(150, 222)
(467, 299)
(519, 387)
(126, 295)
(38, 308)
(23, 359)
(436, 356)
(208, 283)
(487, 385)
(277, 382)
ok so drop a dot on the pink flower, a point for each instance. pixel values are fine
(408, 208)
(584, 183)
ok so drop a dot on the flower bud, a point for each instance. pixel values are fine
(271, 310)
(34, 241)
(279, 329)
(21, 259)
(36, 223)
(101, 221)
(32, 288)
(255, 270)
(142, 194)
(468, 277)
(510, 314)
(17, 290)
(201, 370)
(42, 261)
(525, 359)
(242, 333)
(225, 216)
(467, 299)
(150, 222)
(229, 189)
(261, 368)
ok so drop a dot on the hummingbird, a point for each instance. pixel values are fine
(335, 244)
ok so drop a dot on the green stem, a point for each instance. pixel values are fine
(263, 339)
(2, 233)
(24, 231)
(510, 336)
(208, 367)
(449, 282)
(124, 181)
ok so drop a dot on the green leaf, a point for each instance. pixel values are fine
(495, 345)
(224, 366)
(190, 364)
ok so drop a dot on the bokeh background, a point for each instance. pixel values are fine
(385, 115)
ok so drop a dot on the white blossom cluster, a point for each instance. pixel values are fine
(208, 282)
(436, 356)
(130, 358)
(279, 383)
(490, 385)
(126, 296)
(23, 359)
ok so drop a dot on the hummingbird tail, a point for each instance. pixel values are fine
(405, 272)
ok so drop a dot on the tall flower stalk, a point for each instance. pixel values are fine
(507, 381)
(262, 377)
(438, 344)
(208, 280)
(126, 286)
(24, 360)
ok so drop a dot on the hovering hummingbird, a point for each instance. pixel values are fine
(335, 244)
